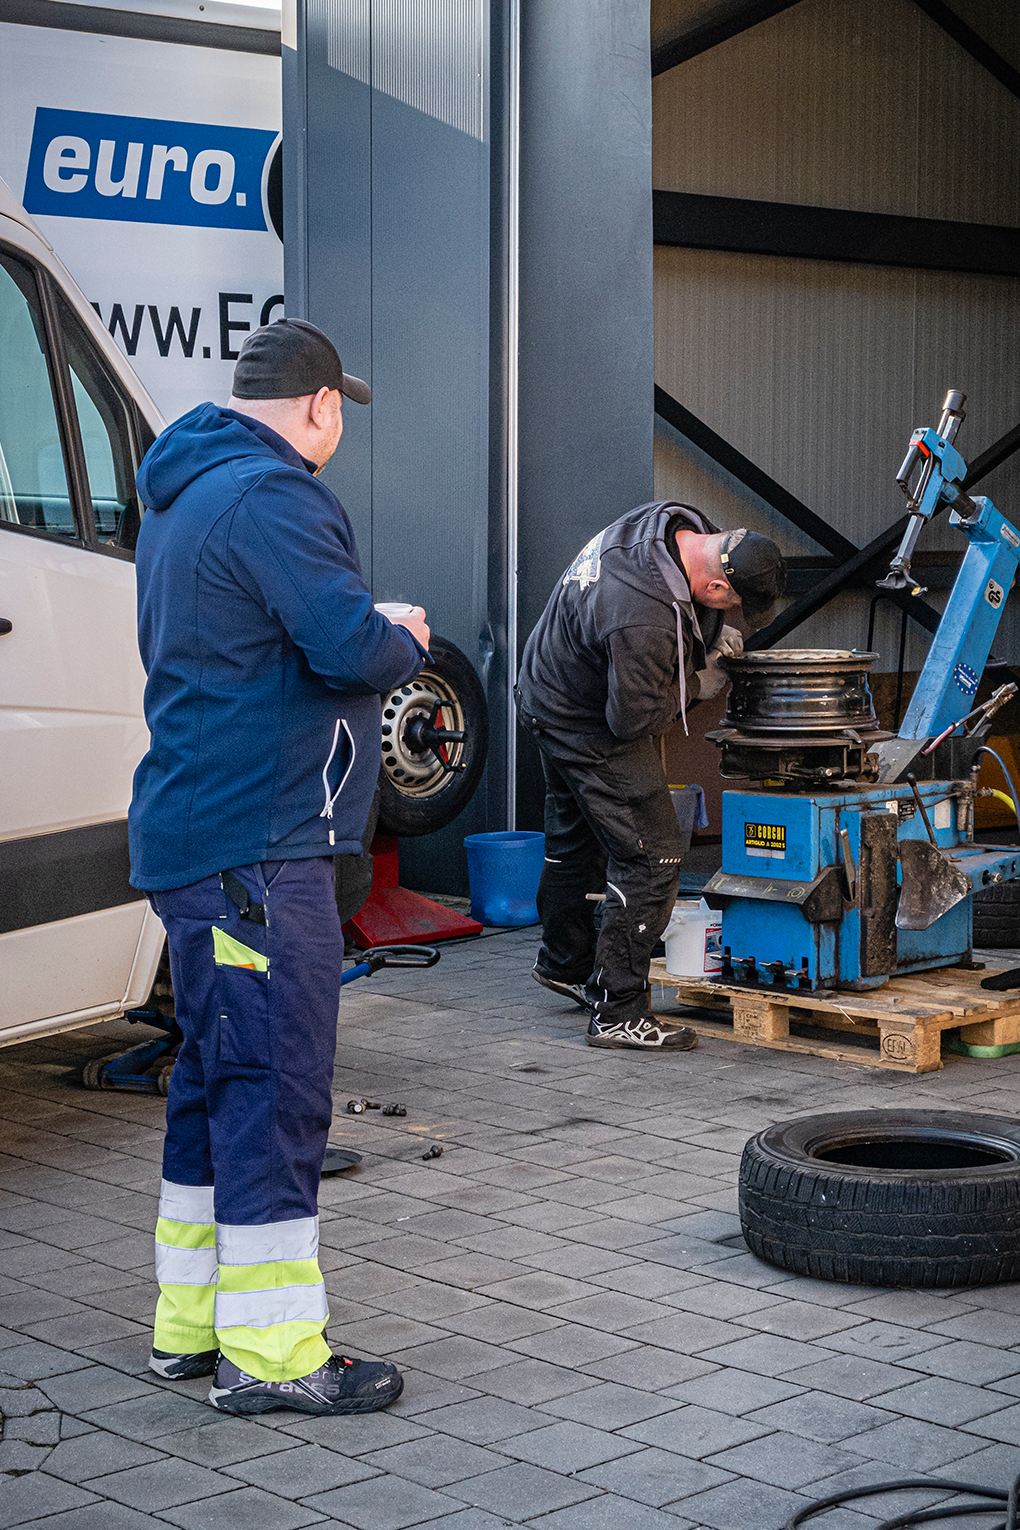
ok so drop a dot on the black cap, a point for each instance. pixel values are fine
(756, 571)
(290, 359)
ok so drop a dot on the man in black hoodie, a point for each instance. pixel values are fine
(631, 636)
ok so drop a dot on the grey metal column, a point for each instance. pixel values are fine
(586, 349)
(468, 213)
(387, 240)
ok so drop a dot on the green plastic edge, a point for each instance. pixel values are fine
(954, 1044)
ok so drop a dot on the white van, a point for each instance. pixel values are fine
(77, 942)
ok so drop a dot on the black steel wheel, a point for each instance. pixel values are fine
(924, 1198)
(997, 917)
(435, 733)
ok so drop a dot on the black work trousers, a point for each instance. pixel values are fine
(610, 826)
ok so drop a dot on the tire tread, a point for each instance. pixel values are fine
(858, 1228)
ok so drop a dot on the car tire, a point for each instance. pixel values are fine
(915, 1198)
(997, 917)
(418, 794)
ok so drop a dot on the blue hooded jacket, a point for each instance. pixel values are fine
(265, 658)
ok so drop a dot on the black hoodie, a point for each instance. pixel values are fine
(603, 658)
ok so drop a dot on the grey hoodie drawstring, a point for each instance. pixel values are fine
(681, 667)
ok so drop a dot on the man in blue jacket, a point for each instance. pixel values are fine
(265, 660)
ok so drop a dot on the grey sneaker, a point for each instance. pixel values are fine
(576, 991)
(644, 1035)
(183, 1367)
(339, 1386)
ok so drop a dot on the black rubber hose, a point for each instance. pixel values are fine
(997, 1496)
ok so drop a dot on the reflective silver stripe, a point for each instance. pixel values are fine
(265, 1309)
(268, 1242)
(186, 1203)
(186, 1266)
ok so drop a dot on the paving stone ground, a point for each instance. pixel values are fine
(588, 1345)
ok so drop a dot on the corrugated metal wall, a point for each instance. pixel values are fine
(819, 370)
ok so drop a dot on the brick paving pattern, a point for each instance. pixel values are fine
(588, 1345)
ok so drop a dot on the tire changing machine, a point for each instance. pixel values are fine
(854, 858)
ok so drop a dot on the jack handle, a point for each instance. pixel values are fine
(378, 957)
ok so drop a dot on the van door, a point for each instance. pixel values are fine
(73, 933)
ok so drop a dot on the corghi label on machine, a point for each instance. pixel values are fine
(765, 839)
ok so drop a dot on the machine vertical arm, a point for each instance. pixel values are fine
(939, 466)
(959, 651)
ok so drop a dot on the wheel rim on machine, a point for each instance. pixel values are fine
(420, 771)
(800, 691)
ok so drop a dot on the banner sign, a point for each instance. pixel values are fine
(147, 170)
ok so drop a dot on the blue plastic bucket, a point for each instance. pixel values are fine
(503, 871)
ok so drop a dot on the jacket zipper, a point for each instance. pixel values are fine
(327, 811)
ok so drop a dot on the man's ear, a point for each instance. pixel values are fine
(316, 406)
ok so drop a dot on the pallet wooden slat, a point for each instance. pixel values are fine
(907, 1014)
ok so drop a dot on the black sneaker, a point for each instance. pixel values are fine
(576, 991)
(339, 1386)
(644, 1035)
(183, 1367)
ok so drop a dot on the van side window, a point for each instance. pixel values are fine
(33, 482)
(107, 438)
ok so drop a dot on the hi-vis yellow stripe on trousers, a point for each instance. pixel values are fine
(270, 1301)
(186, 1269)
(254, 1292)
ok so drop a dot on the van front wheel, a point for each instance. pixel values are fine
(435, 734)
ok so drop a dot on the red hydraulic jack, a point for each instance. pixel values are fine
(392, 915)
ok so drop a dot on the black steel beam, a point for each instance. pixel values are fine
(788, 505)
(750, 475)
(832, 583)
(979, 50)
(995, 455)
(830, 233)
(708, 34)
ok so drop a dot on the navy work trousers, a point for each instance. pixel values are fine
(250, 1096)
(257, 988)
(610, 826)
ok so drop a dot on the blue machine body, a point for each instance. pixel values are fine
(812, 878)
(780, 847)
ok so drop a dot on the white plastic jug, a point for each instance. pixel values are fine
(693, 939)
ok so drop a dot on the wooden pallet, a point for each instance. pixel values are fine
(907, 1016)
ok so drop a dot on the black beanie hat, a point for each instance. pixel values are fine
(290, 359)
(756, 571)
